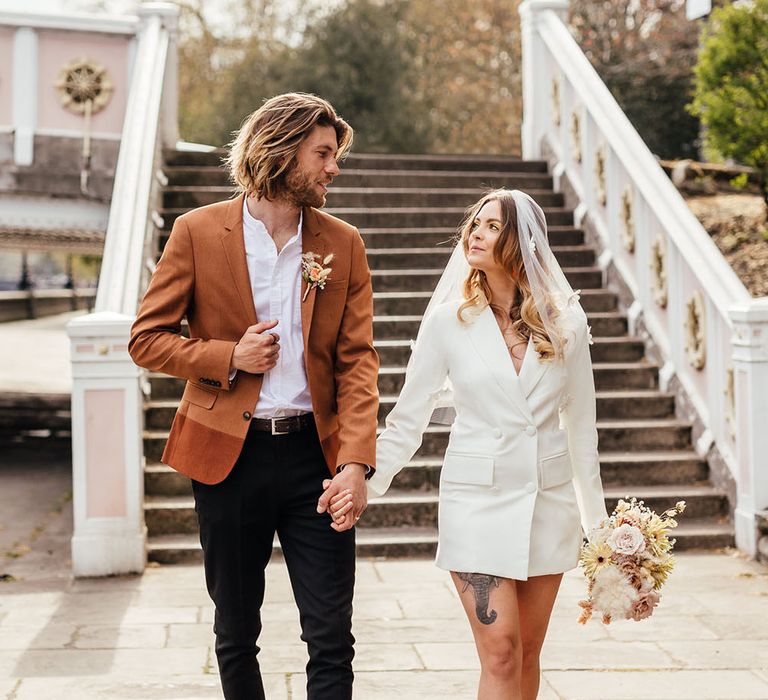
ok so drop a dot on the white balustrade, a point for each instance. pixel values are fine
(107, 419)
(680, 281)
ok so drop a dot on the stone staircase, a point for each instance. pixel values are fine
(407, 209)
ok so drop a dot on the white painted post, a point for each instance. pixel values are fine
(107, 452)
(750, 375)
(24, 95)
(535, 91)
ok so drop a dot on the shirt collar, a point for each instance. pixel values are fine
(254, 224)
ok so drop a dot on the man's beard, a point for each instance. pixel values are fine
(301, 190)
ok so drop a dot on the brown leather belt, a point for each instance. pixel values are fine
(283, 426)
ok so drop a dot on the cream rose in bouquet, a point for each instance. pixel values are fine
(627, 560)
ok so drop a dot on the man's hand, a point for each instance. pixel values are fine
(349, 494)
(257, 351)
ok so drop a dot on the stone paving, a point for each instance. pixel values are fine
(149, 637)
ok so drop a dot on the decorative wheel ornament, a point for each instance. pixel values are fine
(84, 85)
(555, 102)
(659, 271)
(576, 135)
(730, 402)
(695, 331)
(628, 230)
(600, 175)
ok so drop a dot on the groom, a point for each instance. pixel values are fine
(281, 385)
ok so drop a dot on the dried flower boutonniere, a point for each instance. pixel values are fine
(313, 273)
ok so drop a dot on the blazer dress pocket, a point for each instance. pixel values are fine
(199, 397)
(555, 470)
(475, 470)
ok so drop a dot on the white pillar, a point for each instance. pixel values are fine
(24, 94)
(536, 92)
(107, 452)
(750, 378)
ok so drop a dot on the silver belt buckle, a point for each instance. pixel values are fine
(278, 432)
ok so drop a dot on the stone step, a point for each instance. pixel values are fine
(395, 353)
(362, 177)
(425, 279)
(371, 217)
(622, 405)
(460, 162)
(415, 303)
(604, 324)
(356, 196)
(158, 413)
(398, 217)
(399, 258)
(25, 412)
(608, 376)
(438, 237)
(403, 542)
(376, 238)
(661, 434)
(629, 470)
(169, 515)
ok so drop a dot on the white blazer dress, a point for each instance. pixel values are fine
(520, 480)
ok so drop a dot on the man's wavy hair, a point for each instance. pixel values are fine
(264, 149)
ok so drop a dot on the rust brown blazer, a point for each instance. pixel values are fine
(203, 275)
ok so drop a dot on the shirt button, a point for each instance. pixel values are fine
(530, 487)
(530, 430)
(246, 415)
(497, 433)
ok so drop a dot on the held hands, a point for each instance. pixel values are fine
(345, 497)
(257, 351)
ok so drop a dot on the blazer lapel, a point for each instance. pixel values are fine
(312, 241)
(532, 370)
(486, 338)
(234, 248)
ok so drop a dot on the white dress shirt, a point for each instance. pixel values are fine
(276, 287)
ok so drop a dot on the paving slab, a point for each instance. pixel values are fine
(641, 685)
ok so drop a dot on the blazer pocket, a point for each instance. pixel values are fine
(334, 286)
(476, 470)
(199, 396)
(555, 470)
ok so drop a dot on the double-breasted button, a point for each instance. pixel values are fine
(246, 415)
(497, 433)
(530, 487)
(530, 430)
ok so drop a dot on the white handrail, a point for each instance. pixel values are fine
(657, 189)
(121, 274)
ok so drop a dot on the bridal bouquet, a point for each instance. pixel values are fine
(626, 562)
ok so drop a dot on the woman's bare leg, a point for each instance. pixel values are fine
(492, 609)
(535, 600)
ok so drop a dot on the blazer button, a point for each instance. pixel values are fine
(497, 433)
(530, 487)
(530, 430)
(246, 415)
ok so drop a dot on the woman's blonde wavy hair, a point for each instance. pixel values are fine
(264, 148)
(526, 320)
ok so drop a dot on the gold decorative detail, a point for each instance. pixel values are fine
(555, 102)
(659, 271)
(576, 135)
(600, 175)
(81, 82)
(628, 230)
(730, 402)
(695, 331)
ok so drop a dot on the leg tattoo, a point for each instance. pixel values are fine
(481, 587)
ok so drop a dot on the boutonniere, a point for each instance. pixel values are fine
(314, 273)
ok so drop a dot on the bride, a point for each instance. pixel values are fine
(505, 342)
